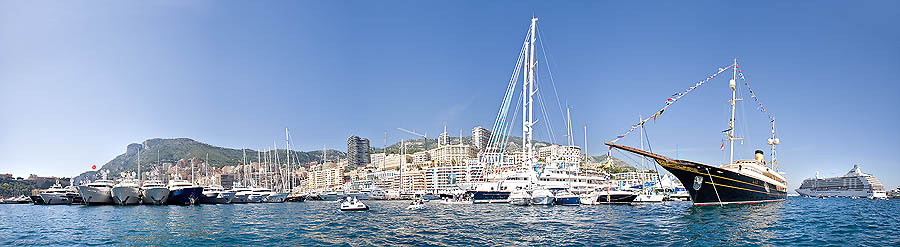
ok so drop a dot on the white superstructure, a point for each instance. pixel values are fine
(853, 184)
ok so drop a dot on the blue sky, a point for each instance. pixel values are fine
(80, 80)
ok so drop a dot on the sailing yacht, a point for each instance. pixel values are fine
(154, 192)
(126, 192)
(182, 192)
(505, 174)
(739, 181)
(97, 192)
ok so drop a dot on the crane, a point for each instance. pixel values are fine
(425, 136)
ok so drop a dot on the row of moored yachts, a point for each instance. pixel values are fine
(155, 192)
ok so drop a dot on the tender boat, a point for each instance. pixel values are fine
(416, 205)
(97, 193)
(16, 200)
(649, 195)
(519, 197)
(182, 192)
(615, 196)
(566, 198)
(353, 204)
(126, 193)
(542, 197)
(154, 192)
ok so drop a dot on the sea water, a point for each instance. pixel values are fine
(794, 222)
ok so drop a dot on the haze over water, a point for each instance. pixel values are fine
(797, 221)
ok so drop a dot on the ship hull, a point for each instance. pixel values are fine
(185, 196)
(155, 196)
(54, 199)
(489, 196)
(842, 193)
(708, 185)
(95, 196)
(568, 201)
(126, 195)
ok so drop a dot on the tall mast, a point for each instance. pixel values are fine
(772, 142)
(731, 123)
(277, 164)
(258, 162)
(243, 166)
(290, 169)
(157, 163)
(585, 143)
(139, 163)
(527, 93)
(571, 139)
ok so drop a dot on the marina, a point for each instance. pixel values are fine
(425, 123)
(795, 221)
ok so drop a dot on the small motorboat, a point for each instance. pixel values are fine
(566, 198)
(416, 205)
(353, 204)
(542, 197)
(519, 197)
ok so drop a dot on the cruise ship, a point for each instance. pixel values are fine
(853, 184)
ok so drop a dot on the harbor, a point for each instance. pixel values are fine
(391, 123)
(389, 223)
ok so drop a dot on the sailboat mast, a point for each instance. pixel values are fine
(139, 163)
(290, 169)
(586, 155)
(531, 90)
(731, 123)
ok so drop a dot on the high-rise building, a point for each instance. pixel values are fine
(481, 137)
(358, 151)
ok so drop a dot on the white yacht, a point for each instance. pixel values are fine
(126, 192)
(215, 194)
(96, 193)
(519, 197)
(57, 195)
(241, 195)
(154, 192)
(333, 196)
(542, 197)
(259, 194)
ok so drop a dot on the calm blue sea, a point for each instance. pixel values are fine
(795, 222)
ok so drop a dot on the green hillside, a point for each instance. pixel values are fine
(172, 150)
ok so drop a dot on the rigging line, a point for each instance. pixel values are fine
(549, 72)
(505, 134)
(623, 154)
(655, 168)
(745, 131)
(510, 88)
(669, 102)
(546, 116)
